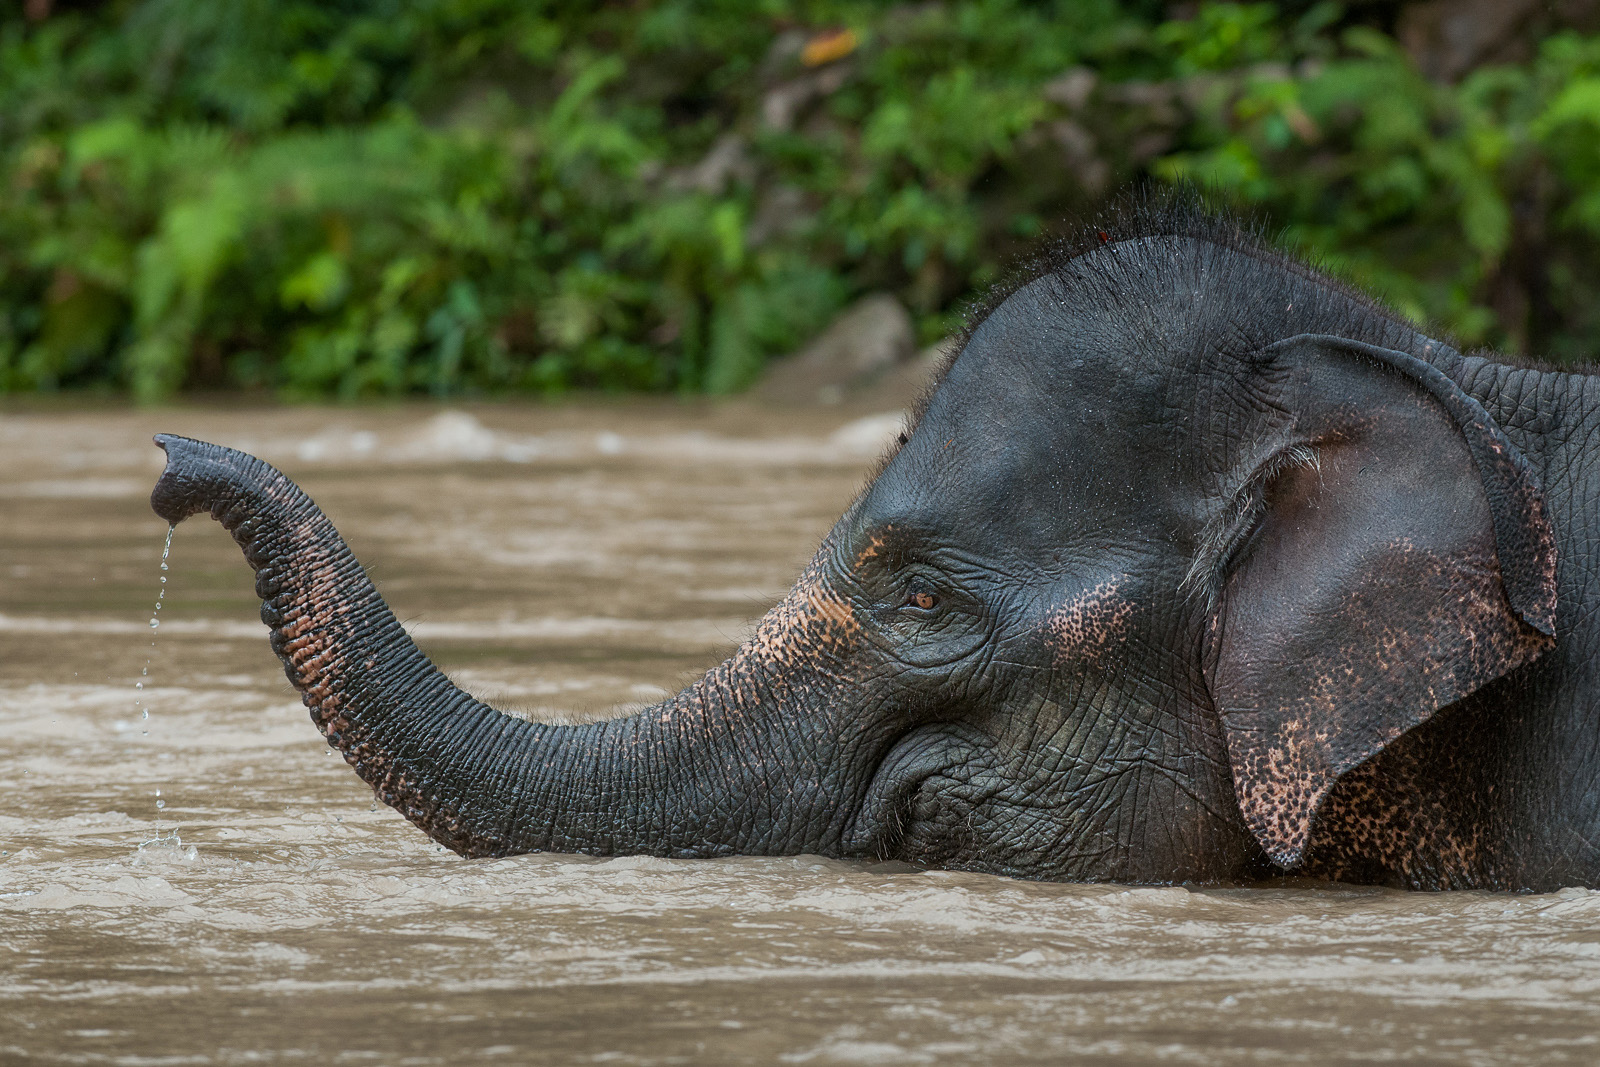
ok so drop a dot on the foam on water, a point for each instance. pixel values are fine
(459, 437)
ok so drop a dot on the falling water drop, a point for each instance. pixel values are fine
(155, 623)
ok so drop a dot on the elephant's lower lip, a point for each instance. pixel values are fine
(884, 818)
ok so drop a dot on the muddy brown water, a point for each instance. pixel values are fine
(567, 562)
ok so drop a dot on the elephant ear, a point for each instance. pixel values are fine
(1391, 555)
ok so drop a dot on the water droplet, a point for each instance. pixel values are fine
(155, 623)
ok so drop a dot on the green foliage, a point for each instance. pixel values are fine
(1472, 205)
(394, 196)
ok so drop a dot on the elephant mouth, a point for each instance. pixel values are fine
(900, 796)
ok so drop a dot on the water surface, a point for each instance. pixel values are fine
(565, 563)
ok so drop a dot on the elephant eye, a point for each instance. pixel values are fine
(923, 599)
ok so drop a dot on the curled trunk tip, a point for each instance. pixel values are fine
(200, 476)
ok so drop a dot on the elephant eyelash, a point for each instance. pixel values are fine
(1227, 531)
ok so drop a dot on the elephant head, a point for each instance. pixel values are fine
(1184, 535)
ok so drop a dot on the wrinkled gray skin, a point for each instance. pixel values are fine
(1195, 568)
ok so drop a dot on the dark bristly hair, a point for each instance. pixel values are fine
(1180, 210)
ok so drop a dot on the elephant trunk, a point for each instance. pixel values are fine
(694, 776)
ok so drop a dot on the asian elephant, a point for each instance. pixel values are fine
(1193, 566)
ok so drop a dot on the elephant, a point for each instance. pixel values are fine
(1193, 566)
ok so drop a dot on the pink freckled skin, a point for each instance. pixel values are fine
(1085, 628)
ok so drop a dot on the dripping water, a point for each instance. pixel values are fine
(139, 702)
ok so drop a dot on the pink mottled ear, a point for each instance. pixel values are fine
(1405, 566)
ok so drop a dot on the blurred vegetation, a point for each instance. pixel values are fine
(354, 197)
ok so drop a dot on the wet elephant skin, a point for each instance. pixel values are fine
(1194, 566)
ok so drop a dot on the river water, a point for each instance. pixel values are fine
(212, 885)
